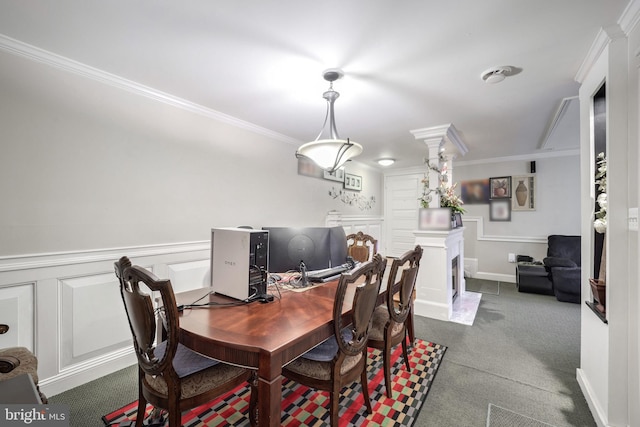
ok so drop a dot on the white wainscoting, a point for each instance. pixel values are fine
(17, 310)
(371, 225)
(67, 309)
(530, 245)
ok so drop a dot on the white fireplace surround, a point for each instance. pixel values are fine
(434, 286)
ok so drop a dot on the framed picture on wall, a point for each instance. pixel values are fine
(500, 210)
(307, 168)
(336, 175)
(500, 187)
(458, 219)
(524, 193)
(475, 192)
(352, 182)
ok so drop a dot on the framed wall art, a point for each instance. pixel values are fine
(500, 210)
(352, 182)
(337, 175)
(475, 192)
(500, 187)
(307, 168)
(524, 193)
(457, 219)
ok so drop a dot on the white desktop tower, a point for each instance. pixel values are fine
(239, 261)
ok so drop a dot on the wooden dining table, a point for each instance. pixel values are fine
(261, 336)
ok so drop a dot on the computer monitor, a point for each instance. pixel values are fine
(337, 246)
(317, 247)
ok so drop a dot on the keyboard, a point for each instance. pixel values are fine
(327, 275)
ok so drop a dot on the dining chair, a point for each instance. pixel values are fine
(361, 247)
(341, 359)
(392, 321)
(171, 376)
(15, 361)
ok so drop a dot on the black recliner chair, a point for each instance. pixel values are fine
(563, 264)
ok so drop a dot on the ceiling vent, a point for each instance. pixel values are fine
(496, 74)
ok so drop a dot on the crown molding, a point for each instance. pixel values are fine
(51, 59)
(438, 135)
(560, 112)
(525, 157)
(603, 38)
(630, 17)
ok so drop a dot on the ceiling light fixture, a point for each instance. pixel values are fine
(496, 74)
(386, 162)
(330, 153)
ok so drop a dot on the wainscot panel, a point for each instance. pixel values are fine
(67, 308)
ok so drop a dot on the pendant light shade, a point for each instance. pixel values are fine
(330, 153)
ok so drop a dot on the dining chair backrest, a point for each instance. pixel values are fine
(135, 282)
(361, 247)
(367, 279)
(401, 284)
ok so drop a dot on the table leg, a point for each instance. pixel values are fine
(269, 391)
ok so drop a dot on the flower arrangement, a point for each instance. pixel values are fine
(600, 222)
(448, 198)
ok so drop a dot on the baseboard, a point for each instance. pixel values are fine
(431, 309)
(589, 395)
(497, 277)
(84, 373)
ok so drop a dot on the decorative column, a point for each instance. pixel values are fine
(441, 141)
(437, 282)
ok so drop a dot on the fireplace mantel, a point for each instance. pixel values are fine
(434, 285)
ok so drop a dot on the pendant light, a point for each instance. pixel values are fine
(330, 153)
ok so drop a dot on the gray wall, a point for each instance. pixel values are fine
(557, 211)
(74, 178)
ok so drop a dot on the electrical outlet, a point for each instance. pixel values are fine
(512, 257)
(633, 219)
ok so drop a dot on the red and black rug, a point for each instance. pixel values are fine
(302, 406)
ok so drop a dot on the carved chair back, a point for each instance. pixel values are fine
(368, 280)
(361, 247)
(399, 297)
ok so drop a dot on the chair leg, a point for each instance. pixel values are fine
(365, 390)
(334, 406)
(142, 406)
(387, 367)
(142, 402)
(410, 328)
(175, 419)
(405, 354)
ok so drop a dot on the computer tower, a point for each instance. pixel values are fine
(239, 261)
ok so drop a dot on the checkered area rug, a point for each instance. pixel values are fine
(302, 406)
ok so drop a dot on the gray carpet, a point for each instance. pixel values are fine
(483, 286)
(89, 402)
(521, 353)
(501, 417)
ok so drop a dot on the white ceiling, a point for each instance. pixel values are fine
(408, 64)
